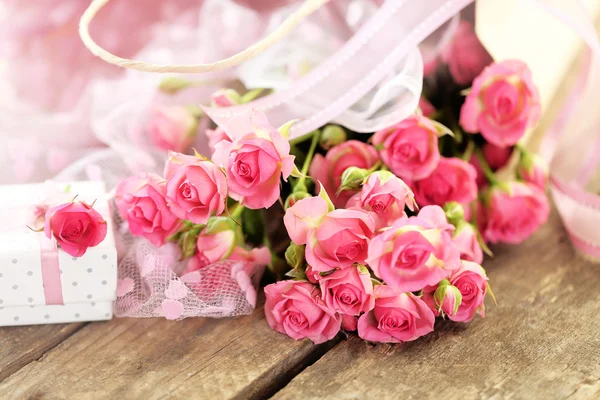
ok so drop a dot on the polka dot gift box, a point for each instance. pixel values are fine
(47, 276)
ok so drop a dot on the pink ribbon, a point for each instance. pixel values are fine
(50, 271)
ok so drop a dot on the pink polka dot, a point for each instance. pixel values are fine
(176, 290)
(172, 309)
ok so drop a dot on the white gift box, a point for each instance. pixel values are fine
(88, 283)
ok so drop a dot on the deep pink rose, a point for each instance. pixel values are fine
(415, 252)
(75, 226)
(502, 103)
(255, 161)
(470, 279)
(465, 55)
(465, 240)
(329, 169)
(496, 157)
(385, 196)
(512, 213)
(534, 170)
(172, 128)
(196, 188)
(453, 180)
(481, 179)
(340, 240)
(426, 108)
(409, 148)
(397, 317)
(296, 309)
(348, 291)
(141, 201)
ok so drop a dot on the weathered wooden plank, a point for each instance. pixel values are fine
(23, 344)
(542, 341)
(155, 358)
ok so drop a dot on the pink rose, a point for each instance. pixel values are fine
(502, 103)
(397, 317)
(533, 169)
(329, 169)
(340, 240)
(260, 256)
(349, 323)
(348, 291)
(172, 128)
(496, 157)
(453, 180)
(465, 240)
(141, 201)
(385, 196)
(255, 162)
(75, 226)
(303, 216)
(212, 248)
(414, 252)
(426, 108)
(312, 275)
(465, 55)
(512, 212)
(470, 279)
(481, 179)
(215, 136)
(409, 148)
(296, 309)
(225, 98)
(196, 188)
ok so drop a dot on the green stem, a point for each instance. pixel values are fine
(300, 185)
(468, 151)
(487, 171)
(458, 136)
(375, 167)
(236, 213)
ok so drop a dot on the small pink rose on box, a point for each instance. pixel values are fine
(533, 170)
(465, 55)
(453, 180)
(385, 196)
(466, 241)
(502, 103)
(397, 317)
(409, 148)
(470, 279)
(76, 226)
(512, 212)
(196, 188)
(414, 252)
(296, 309)
(141, 201)
(329, 169)
(348, 291)
(255, 161)
(172, 127)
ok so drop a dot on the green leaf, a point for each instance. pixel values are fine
(285, 128)
(296, 173)
(253, 226)
(323, 194)
(251, 95)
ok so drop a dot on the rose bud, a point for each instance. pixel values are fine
(502, 103)
(215, 243)
(453, 180)
(296, 309)
(348, 291)
(352, 179)
(397, 317)
(512, 212)
(294, 198)
(257, 256)
(225, 98)
(465, 55)
(470, 279)
(466, 241)
(255, 161)
(75, 226)
(409, 148)
(533, 169)
(329, 169)
(332, 135)
(173, 84)
(447, 298)
(196, 188)
(496, 157)
(172, 127)
(454, 211)
(141, 201)
(294, 255)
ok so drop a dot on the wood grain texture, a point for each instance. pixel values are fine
(21, 345)
(541, 342)
(156, 358)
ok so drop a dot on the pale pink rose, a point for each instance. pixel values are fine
(296, 309)
(409, 148)
(304, 215)
(453, 180)
(502, 103)
(496, 157)
(426, 108)
(340, 240)
(385, 196)
(329, 169)
(534, 170)
(259, 256)
(75, 226)
(172, 128)
(348, 291)
(414, 252)
(512, 212)
(465, 55)
(196, 188)
(255, 161)
(470, 279)
(465, 240)
(397, 317)
(215, 136)
(212, 248)
(141, 201)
